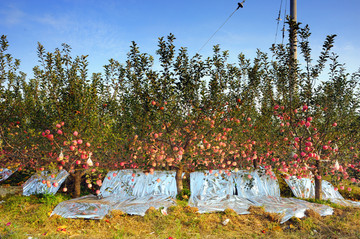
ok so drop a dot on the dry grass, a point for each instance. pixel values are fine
(29, 216)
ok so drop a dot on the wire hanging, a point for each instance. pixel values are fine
(278, 21)
(284, 29)
(240, 5)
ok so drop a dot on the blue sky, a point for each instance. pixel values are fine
(105, 29)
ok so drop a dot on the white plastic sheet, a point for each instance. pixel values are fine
(305, 188)
(34, 184)
(218, 191)
(130, 191)
(6, 173)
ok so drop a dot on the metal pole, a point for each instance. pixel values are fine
(293, 17)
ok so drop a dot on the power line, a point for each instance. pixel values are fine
(240, 5)
(283, 4)
(278, 21)
(283, 30)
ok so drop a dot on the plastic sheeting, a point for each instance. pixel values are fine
(130, 191)
(305, 188)
(256, 186)
(216, 192)
(6, 173)
(34, 184)
(88, 207)
(301, 188)
(124, 185)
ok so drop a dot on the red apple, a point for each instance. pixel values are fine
(50, 137)
(98, 182)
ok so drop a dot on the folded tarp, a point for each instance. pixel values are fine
(35, 185)
(130, 191)
(240, 190)
(305, 188)
(6, 173)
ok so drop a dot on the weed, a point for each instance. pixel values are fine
(324, 202)
(184, 195)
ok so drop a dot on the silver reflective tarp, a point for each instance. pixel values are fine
(130, 191)
(135, 183)
(301, 188)
(216, 191)
(211, 192)
(305, 188)
(5, 173)
(256, 185)
(34, 184)
(88, 207)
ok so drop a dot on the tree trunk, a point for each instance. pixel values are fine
(318, 182)
(179, 179)
(255, 163)
(77, 183)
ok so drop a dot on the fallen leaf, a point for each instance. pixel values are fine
(277, 229)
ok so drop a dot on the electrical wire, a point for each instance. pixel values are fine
(284, 29)
(218, 29)
(278, 21)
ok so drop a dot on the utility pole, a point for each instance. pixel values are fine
(293, 52)
(293, 17)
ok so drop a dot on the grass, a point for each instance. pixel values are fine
(23, 217)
